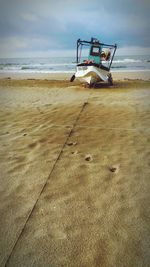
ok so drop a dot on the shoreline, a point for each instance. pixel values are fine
(120, 75)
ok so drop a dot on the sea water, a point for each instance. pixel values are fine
(68, 65)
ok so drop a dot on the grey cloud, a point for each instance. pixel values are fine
(60, 22)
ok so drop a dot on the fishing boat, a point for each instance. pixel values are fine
(96, 66)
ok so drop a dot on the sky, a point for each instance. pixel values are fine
(39, 28)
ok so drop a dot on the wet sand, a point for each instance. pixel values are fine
(143, 75)
(74, 166)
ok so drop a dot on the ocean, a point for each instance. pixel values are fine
(68, 65)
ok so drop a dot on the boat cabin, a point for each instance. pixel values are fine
(95, 53)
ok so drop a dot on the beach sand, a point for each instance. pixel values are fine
(74, 166)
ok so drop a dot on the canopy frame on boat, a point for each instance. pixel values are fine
(98, 44)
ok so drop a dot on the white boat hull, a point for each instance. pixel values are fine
(92, 74)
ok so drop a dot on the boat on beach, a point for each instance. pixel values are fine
(96, 68)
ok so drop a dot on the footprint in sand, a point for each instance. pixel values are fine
(74, 152)
(32, 145)
(71, 144)
(114, 168)
(88, 157)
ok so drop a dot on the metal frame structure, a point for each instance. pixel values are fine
(94, 41)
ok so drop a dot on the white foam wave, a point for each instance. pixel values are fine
(127, 60)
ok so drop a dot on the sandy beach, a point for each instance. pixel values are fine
(74, 164)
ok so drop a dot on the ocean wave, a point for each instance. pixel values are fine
(49, 65)
(127, 60)
(118, 67)
(10, 68)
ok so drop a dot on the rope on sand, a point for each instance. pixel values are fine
(45, 184)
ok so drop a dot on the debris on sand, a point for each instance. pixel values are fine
(88, 157)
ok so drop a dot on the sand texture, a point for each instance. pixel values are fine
(74, 174)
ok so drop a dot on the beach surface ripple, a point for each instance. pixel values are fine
(74, 166)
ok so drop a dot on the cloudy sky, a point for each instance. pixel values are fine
(51, 27)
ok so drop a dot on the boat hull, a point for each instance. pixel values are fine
(92, 74)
